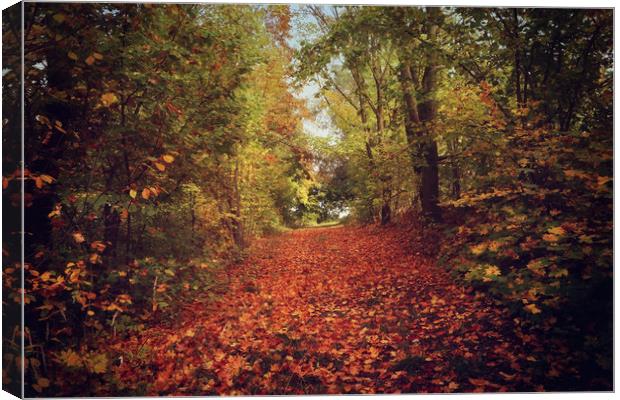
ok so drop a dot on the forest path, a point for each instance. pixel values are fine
(330, 310)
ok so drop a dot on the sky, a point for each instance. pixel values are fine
(320, 125)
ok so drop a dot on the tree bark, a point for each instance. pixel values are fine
(419, 120)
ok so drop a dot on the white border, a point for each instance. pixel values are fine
(477, 3)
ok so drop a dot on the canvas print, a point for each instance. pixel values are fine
(258, 199)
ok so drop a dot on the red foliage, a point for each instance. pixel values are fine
(331, 310)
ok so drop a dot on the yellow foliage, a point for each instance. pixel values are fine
(478, 249)
(558, 230)
(98, 363)
(70, 358)
(107, 99)
(492, 270)
(533, 309)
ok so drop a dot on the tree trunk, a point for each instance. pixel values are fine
(236, 223)
(419, 120)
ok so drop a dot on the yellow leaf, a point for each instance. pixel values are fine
(98, 56)
(90, 60)
(72, 56)
(38, 182)
(46, 178)
(70, 358)
(98, 364)
(168, 158)
(492, 270)
(78, 237)
(533, 309)
(55, 212)
(90, 313)
(478, 249)
(59, 17)
(107, 99)
(559, 273)
(494, 246)
(160, 166)
(133, 193)
(43, 382)
(146, 193)
(536, 266)
(558, 230)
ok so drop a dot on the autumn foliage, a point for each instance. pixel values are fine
(172, 187)
(351, 310)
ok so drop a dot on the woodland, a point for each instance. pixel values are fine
(274, 199)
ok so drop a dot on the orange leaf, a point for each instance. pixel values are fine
(78, 237)
(98, 245)
(107, 99)
(478, 382)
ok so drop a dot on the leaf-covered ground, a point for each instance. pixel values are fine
(332, 310)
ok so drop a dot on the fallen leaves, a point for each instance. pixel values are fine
(349, 311)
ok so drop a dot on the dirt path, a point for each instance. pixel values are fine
(330, 310)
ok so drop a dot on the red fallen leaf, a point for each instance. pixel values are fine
(479, 382)
(163, 378)
(506, 376)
